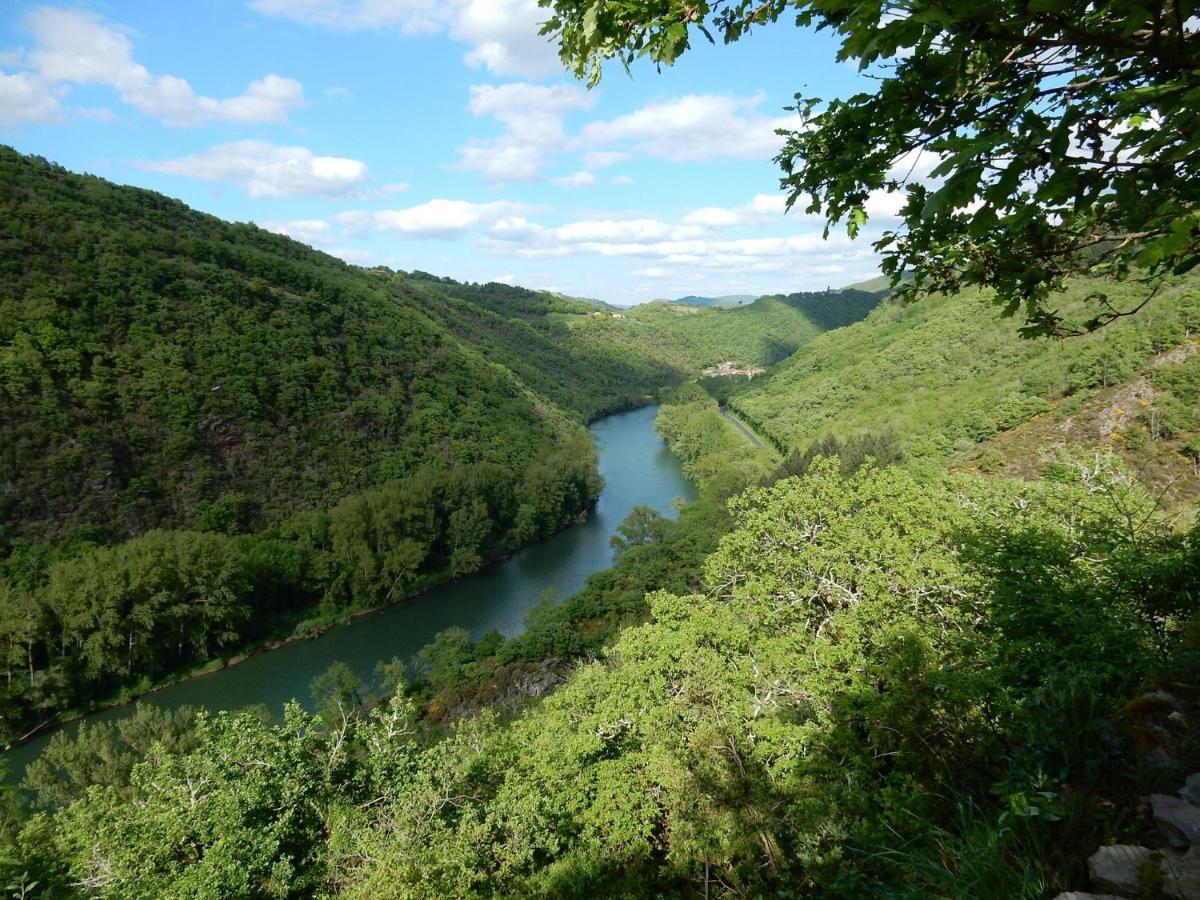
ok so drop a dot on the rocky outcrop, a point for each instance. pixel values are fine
(1136, 871)
(1117, 870)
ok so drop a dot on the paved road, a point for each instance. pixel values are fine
(750, 435)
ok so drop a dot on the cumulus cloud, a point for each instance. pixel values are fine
(411, 16)
(694, 128)
(24, 97)
(504, 37)
(532, 116)
(442, 218)
(762, 209)
(77, 48)
(582, 178)
(502, 34)
(313, 232)
(263, 169)
(703, 240)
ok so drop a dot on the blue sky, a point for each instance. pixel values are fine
(442, 136)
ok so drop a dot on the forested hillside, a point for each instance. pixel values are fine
(592, 359)
(159, 366)
(206, 428)
(950, 373)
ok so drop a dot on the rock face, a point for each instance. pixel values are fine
(1191, 789)
(1118, 869)
(1178, 820)
(1181, 874)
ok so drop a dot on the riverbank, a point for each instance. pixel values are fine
(638, 469)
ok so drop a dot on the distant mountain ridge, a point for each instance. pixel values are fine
(723, 301)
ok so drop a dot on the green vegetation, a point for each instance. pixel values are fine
(592, 360)
(205, 428)
(860, 656)
(208, 431)
(948, 373)
(843, 671)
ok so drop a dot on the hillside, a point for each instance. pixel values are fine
(205, 427)
(154, 360)
(691, 338)
(208, 414)
(590, 359)
(948, 373)
(726, 300)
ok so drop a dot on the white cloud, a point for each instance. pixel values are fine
(532, 116)
(263, 169)
(504, 37)
(620, 180)
(308, 231)
(697, 242)
(411, 16)
(74, 47)
(502, 34)
(693, 128)
(762, 209)
(611, 231)
(602, 159)
(353, 255)
(443, 218)
(582, 178)
(24, 97)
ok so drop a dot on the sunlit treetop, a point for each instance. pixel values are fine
(1036, 139)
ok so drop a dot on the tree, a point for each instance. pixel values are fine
(1060, 133)
(643, 525)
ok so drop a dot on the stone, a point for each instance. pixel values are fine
(1117, 869)
(1178, 820)
(1191, 789)
(1082, 895)
(1181, 874)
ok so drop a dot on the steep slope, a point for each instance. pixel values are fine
(590, 358)
(154, 360)
(531, 333)
(690, 338)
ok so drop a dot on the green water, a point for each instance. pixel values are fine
(637, 468)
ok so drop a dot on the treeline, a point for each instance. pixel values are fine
(117, 618)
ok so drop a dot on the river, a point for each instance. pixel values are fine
(637, 468)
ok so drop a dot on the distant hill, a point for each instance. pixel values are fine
(951, 376)
(876, 284)
(725, 301)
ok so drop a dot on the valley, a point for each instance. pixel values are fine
(324, 579)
